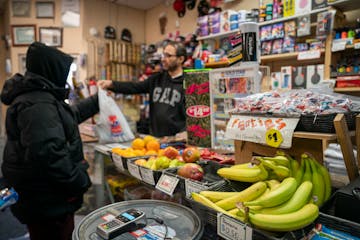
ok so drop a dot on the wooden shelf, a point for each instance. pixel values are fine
(293, 17)
(216, 64)
(347, 89)
(218, 35)
(283, 56)
(346, 5)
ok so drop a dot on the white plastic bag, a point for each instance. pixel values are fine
(112, 125)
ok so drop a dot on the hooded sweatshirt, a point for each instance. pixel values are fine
(43, 157)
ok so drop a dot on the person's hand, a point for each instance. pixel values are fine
(105, 84)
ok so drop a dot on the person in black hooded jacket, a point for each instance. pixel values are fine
(167, 95)
(43, 156)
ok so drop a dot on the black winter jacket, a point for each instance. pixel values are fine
(167, 102)
(43, 157)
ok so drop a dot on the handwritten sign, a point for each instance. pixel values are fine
(118, 162)
(147, 175)
(232, 229)
(134, 170)
(273, 138)
(192, 186)
(254, 128)
(167, 184)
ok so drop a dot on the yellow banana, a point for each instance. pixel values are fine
(280, 195)
(272, 184)
(279, 160)
(233, 211)
(318, 192)
(248, 194)
(327, 179)
(297, 201)
(217, 196)
(248, 165)
(203, 200)
(281, 171)
(244, 175)
(286, 222)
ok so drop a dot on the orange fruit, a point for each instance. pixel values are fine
(151, 152)
(148, 138)
(153, 145)
(138, 144)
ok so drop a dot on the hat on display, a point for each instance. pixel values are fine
(151, 49)
(190, 4)
(203, 8)
(110, 32)
(126, 35)
(179, 7)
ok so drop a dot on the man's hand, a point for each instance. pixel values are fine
(105, 84)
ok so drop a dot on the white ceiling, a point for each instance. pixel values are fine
(139, 4)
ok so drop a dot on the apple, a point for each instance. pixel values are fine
(191, 154)
(180, 158)
(171, 152)
(191, 170)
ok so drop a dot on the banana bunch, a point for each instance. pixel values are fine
(248, 172)
(310, 170)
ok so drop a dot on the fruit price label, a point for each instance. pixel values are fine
(147, 175)
(232, 229)
(338, 45)
(117, 159)
(273, 138)
(191, 186)
(134, 170)
(167, 184)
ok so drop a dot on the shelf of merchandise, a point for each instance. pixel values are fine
(218, 35)
(293, 17)
(347, 89)
(283, 56)
(346, 5)
(216, 64)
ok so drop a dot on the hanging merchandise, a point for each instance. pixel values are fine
(126, 35)
(203, 8)
(110, 32)
(190, 4)
(179, 7)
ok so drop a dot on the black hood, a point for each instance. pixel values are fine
(47, 70)
(48, 62)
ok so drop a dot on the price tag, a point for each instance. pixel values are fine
(147, 175)
(134, 170)
(273, 138)
(192, 186)
(338, 45)
(357, 45)
(232, 229)
(118, 161)
(313, 54)
(167, 184)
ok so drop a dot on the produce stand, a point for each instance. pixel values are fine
(314, 143)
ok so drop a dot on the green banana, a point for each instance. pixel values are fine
(307, 171)
(300, 173)
(280, 195)
(217, 196)
(279, 160)
(244, 175)
(297, 201)
(272, 184)
(248, 194)
(294, 166)
(281, 171)
(285, 222)
(326, 176)
(203, 200)
(318, 192)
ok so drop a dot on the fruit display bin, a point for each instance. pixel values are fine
(121, 162)
(147, 175)
(210, 178)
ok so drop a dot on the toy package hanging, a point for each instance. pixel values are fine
(112, 125)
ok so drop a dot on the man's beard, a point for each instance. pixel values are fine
(172, 67)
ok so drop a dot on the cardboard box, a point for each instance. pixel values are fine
(315, 74)
(275, 80)
(286, 77)
(198, 112)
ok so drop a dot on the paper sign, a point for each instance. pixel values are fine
(134, 170)
(167, 184)
(254, 128)
(338, 45)
(147, 175)
(273, 138)
(232, 229)
(306, 55)
(118, 161)
(192, 186)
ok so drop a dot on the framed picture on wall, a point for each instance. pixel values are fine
(45, 9)
(51, 36)
(20, 8)
(23, 35)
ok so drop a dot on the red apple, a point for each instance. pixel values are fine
(191, 154)
(191, 170)
(171, 152)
